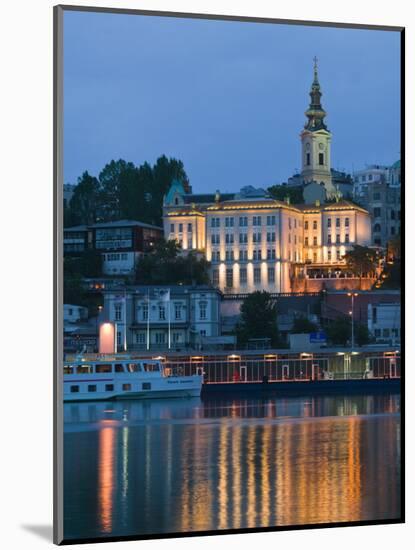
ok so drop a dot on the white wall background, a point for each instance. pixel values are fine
(26, 290)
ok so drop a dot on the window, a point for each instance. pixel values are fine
(328, 239)
(271, 274)
(308, 159)
(337, 222)
(118, 312)
(257, 275)
(376, 228)
(386, 333)
(306, 225)
(315, 257)
(118, 338)
(328, 222)
(256, 220)
(337, 239)
(229, 238)
(180, 228)
(145, 312)
(146, 386)
(228, 222)
(346, 238)
(243, 255)
(189, 228)
(139, 338)
(203, 333)
(329, 255)
(370, 177)
(315, 224)
(392, 231)
(321, 158)
(109, 387)
(177, 337)
(270, 220)
(162, 313)
(74, 389)
(92, 388)
(314, 241)
(243, 276)
(256, 237)
(270, 254)
(189, 242)
(215, 277)
(172, 228)
(126, 387)
(243, 221)
(84, 369)
(306, 240)
(392, 214)
(100, 369)
(377, 332)
(338, 257)
(177, 311)
(243, 238)
(346, 222)
(119, 368)
(229, 278)
(215, 238)
(160, 338)
(376, 212)
(202, 310)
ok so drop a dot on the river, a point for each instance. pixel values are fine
(177, 465)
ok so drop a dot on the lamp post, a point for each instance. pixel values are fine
(352, 296)
(97, 325)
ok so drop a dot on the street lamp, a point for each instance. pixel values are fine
(352, 296)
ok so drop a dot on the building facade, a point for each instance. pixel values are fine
(166, 317)
(378, 189)
(384, 322)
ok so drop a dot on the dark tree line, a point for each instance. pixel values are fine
(123, 191)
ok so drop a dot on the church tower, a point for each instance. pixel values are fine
(315, 142)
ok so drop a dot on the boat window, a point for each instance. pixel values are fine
(84, 369)
(146, 385)
(74, 389)
(109, 387)
(151, 367)
(132, 367)
(92, 388)
(119, 368)
(103, 368)
(126, 387)
(67, 369)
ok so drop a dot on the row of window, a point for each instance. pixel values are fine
(92, 388)
(114, 257)
(180, 228)
(386, 332)
(243, 238)
(307, 241)
(329, 223)
(242, 221)
(230, 278)
(243, 255)
(163, 312)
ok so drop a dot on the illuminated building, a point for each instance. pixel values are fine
(254, 242)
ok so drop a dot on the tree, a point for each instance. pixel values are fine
(302, 325)
(258, 318)
(361, 260)
(361, 334)
(339, 331)
(112, 178)
(167, 265)
(85, 202)
(281, 192)
(394, 249)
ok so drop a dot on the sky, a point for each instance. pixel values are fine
(227, 98)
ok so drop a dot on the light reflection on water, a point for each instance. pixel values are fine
(148, 467)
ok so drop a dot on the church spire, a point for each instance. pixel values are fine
(315, 113)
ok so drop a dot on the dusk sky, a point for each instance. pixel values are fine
(226, 98)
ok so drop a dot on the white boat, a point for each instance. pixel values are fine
(126, 378)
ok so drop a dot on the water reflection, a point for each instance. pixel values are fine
(187, 465)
